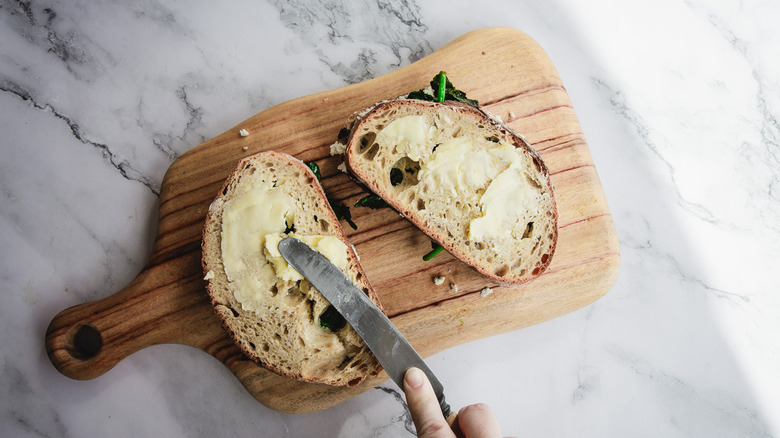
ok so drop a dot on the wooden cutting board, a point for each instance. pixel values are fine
(513, 78)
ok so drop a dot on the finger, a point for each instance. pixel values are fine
(479, 421)
(424, 407)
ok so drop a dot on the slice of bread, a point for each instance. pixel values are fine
(463, 178)
(274, 315)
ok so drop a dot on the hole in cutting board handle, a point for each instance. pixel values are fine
(87, 342)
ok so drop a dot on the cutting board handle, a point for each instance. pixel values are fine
(87, 340)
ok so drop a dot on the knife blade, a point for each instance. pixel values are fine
(394, 352)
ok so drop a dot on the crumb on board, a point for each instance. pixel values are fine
(245, 148)
(453, 287)
(485, 292)
(337, 148)
(342, 167)
(243, 133)
(511, 114)
(438, 280)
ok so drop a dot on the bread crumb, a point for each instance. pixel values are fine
(342, 167)
(485, 292)
(245, 148)
(511, 114)
(438, 280)
(209, 275)
(243, 132)
(453, 287)
(337, 148)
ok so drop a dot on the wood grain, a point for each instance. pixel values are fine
(513, 78)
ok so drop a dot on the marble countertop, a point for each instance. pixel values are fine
(680, 105)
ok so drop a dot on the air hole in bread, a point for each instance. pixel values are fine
(493, 138)
(529, 230)
(371, 153)
(420, 205)
(311, 310)
(403, 173)
(235, 312)
(537, 164)
(324, 225)
(535, 271)
(277, 336)
(354, 382)
(367, 140)
(252, 346)
(274, 290)
(266, 347)
(301, 342)
(479, 245)
(345, 363)
(545, 258)
(294, 297)
(503, 270)
(309, 180)
(532, 182)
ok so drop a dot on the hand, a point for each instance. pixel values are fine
(475, 421)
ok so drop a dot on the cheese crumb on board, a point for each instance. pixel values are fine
(438, 280)
(342, 167)
(337, 148)
(454, 287)
(485, 292)
(243, 133)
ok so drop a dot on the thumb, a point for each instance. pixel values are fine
(424, 406)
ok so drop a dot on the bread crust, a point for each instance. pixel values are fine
(235, 319)
(379, 184)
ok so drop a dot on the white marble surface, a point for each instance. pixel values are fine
(680, 104)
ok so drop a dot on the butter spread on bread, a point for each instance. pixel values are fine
(272, 313)
(462, 177)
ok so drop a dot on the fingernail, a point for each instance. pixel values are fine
(414, 378)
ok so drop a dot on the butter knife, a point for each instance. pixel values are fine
(393, 351)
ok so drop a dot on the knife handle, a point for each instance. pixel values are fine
(452, 420)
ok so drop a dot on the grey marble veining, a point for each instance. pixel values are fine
(679, 103)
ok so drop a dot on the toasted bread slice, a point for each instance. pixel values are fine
(274, 315)
(463, 178)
